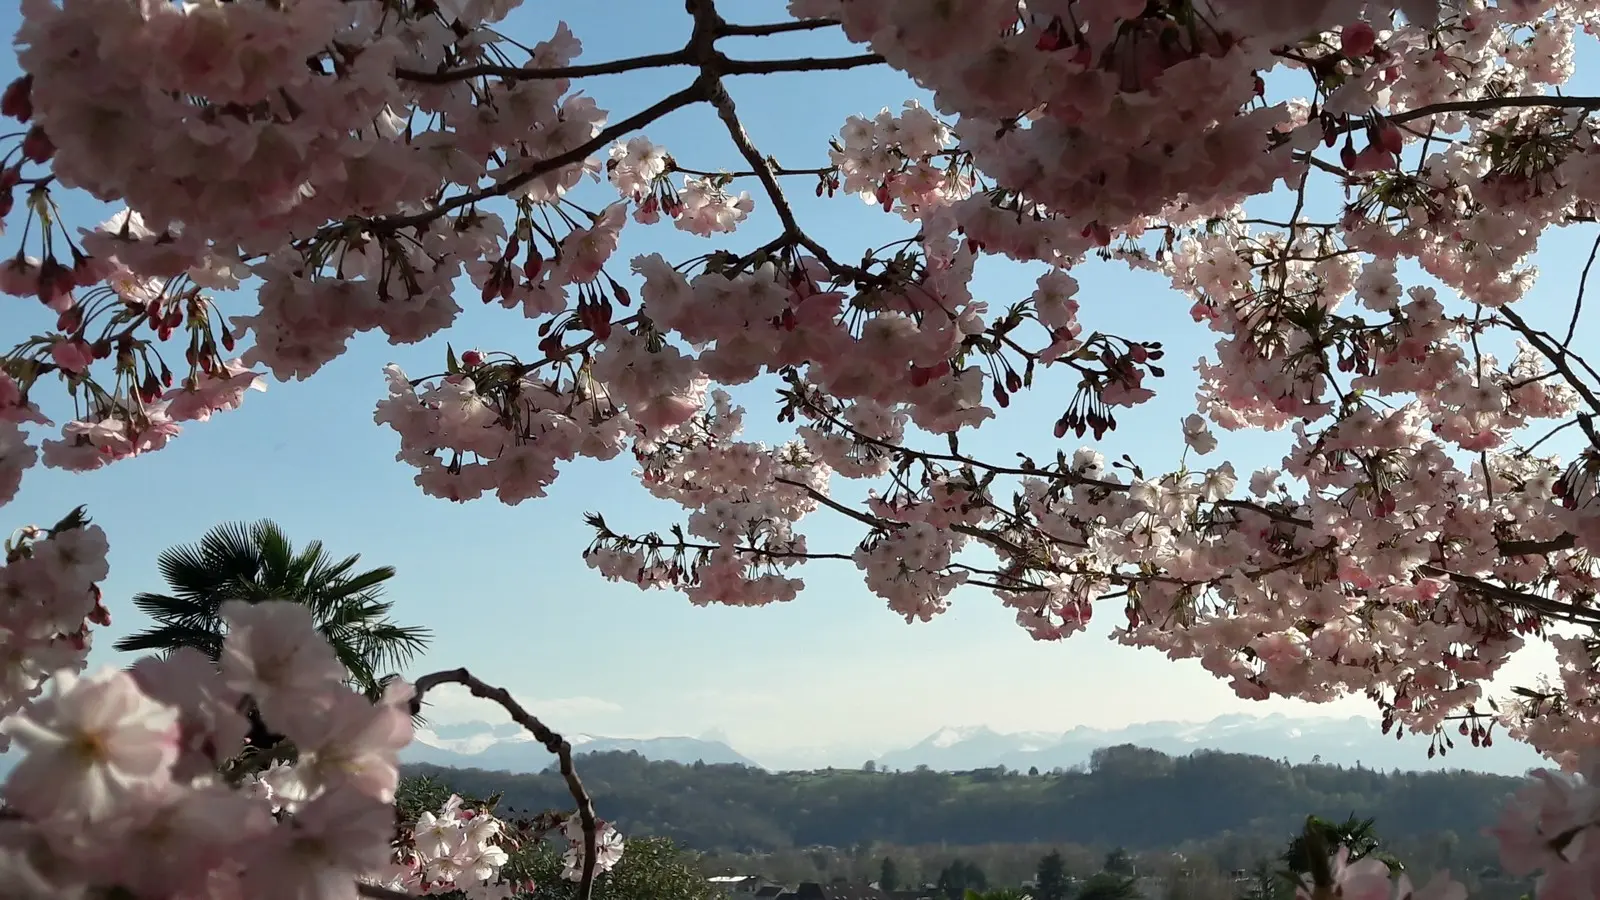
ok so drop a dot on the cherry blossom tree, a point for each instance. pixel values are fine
(286, 175)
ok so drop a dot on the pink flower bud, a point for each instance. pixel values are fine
(1391, 139)
(37, 146)
(17, 100)
(1357, 40)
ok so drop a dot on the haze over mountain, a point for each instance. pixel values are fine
(1340, 741)
(506, 746)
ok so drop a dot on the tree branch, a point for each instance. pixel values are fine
(780, 171)
(691, 94)
(1572, 612)
(1556, 355)
(729, 114)
(1538, 548)
(806, 64)
(1487, 104)
(555, 743)
(1583, 284)
(532, 73)
(727, 30)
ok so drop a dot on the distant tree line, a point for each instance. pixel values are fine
(1130, 797)
(1194, 823)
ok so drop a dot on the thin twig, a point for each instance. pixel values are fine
(553, 742)
(778, 170)
(1583, 283)
(1527, 451)
(691, 94)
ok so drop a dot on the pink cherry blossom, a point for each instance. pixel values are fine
(1344, 198)
(88, 746)
(273, 654)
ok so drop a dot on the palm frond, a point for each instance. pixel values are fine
(391, 647)
(167, 638)
(257, 562)
(324, 573)
(199, 571)
(229, 549)
(165, 607)
(368, 582)
(275, 550)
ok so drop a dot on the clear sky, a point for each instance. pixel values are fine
(505, 589)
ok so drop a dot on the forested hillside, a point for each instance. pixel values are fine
(1129, 796)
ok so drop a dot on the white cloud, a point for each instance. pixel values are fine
(452, 703)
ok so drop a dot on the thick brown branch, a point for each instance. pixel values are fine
(729, 114)
(806, 64)
(1556, 355)
(1538, 548)
(1571, 612)
(1489, 104)
(727, 30)
(555, 743)
(531, 73)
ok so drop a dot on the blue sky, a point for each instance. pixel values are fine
(505, 589)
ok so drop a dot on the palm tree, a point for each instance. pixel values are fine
(256, 563)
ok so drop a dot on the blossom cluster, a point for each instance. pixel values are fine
(119, 784)
(143, 779)
(464, 849)
(455, 849)
(49, 598)
(1550, 827)
(1415, 533)
(1090, 126)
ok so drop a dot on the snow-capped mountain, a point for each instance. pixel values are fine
(1331, 740)
(1347, 741)
(507, 747)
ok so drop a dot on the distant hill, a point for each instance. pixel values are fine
(1342, 741)
(1298, 740)
(507, 747)
(1135, 797)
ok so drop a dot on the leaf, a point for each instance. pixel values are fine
(450, 364)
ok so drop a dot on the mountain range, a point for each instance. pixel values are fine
(507, 747)
(1342, 741)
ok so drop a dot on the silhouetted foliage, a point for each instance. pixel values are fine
(1119, 862)
(1109, 886)
(960, 877)
(889, 875)
(1051, 879)
(256, 563)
